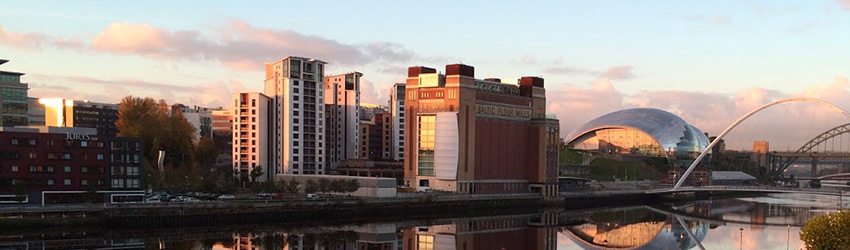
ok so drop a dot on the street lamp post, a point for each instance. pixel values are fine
(742, 237)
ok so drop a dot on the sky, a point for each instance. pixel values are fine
(706, 61)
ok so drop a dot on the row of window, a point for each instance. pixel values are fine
(68, 143)
(69, 182)
(125, 183)
(52, 169)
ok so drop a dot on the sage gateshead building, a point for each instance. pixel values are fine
(471, 135)
(642, 132)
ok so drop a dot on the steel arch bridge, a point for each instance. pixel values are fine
(811, 144)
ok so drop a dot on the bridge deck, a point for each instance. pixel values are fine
(746, 189)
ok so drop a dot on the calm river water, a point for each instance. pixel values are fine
(769, 222)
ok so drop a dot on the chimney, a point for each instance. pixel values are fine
(416, 70)
(531, 81)
(460, 69)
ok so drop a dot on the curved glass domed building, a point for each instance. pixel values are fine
(641, 132)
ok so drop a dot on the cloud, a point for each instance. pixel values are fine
(36, 41)
(237, 45)
(845, 4)
(786, 126)
(210, 94)
(619, 73)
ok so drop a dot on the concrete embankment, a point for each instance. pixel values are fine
(233, 213)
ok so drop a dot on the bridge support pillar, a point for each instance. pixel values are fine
(814, 167)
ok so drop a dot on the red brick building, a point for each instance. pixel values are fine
(478, 136)
(62, 165)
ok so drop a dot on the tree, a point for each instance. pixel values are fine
(337, 186)
(20, 190)
(829, 231)
(288, 187)
(324, 185)
(159, 129)
(256, 172)
(206, 153)
(311, 186)
(91, 195)
(352, 186)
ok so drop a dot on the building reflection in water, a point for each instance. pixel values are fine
(639, 227)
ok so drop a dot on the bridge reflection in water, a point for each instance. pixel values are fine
(706, 224)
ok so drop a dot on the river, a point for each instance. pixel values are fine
(766, 222)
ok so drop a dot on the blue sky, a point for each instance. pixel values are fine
(679, 56)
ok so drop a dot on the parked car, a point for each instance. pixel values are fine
(226, 197)
(312, 196)
(264, 195)
(277, 196)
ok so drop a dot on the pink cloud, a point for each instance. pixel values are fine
(844, 4)
(237, 45)
(619, 73)
(28, 41)
(787, 125)
(133, 38)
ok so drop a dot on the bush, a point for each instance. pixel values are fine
(830, 231)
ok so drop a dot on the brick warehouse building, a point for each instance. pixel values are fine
(478, 136)
(63, 164)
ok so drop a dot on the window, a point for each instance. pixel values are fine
(50, 143)
(100, 157)
(32, 142)
(294, 120)
(84, 182)
(50, 182)
(14, 141)
(67, 182)
(33, 155)
(67, 169)
(50, 169)
(14, 168)
(84, 169)
(426, 145)
(84, 144)
(67, 157)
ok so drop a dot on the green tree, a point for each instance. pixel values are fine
(829, 231)
(159, 129)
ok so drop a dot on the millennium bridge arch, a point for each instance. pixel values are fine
(745, 117)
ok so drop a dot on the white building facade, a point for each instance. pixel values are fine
(342, 104)
(295, 84)
(397, 122)
(252, 136)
